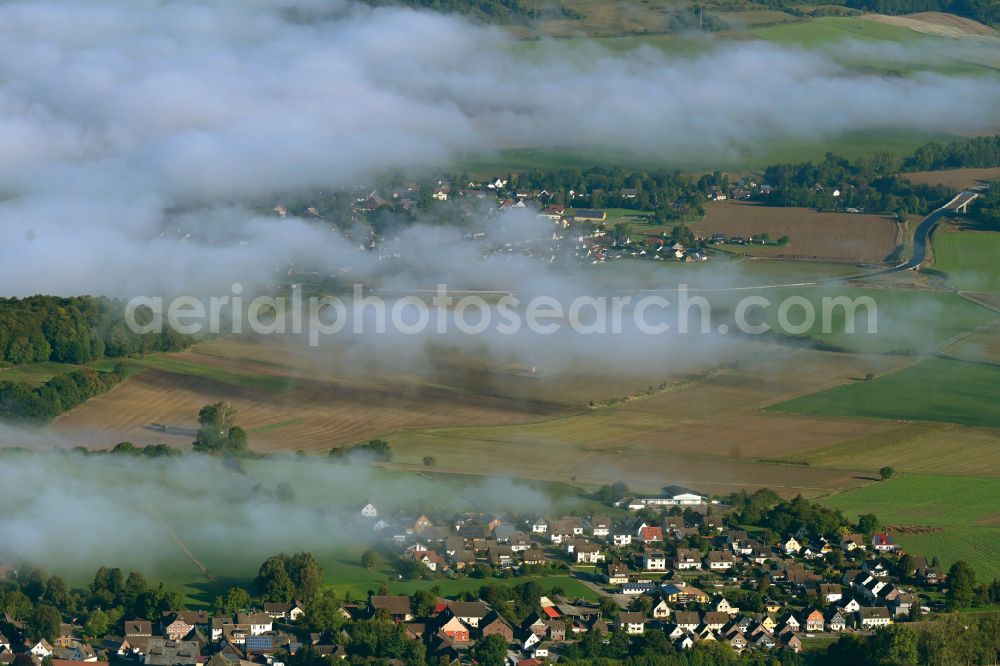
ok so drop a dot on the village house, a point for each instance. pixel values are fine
(398, 607)
(533, 556)
(654, 560)
(791, 546)
(687, 620)
(873, 617)
(632, 623)
(589, 553)
(600, 526)
(814, 620)
(739, 542)
(637, 587)
(494, 623)
(137, 628)
(792, 642)
(256, 623)
(519, 541)
(851, 542)
(617, 574)
(166, 652)
(721, 605)
(661, 611)
(883, 543)
(835, 620)
(455, 629)
(831, 592)
(621, 537)
(469, 612)
(292, 611)
(41, 649)
(687, 559)
(720, 560)
(683, 593)
(650, 534)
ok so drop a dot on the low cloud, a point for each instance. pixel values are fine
(122, 122)
(72, 513)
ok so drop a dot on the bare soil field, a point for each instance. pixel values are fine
(960, 179)
(814, 236)
(938, 24)
(707, 433)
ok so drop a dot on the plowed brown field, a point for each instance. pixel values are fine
(829, 236)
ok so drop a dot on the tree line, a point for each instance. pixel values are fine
(22, 403)
(985, 210)
(42, 601)
(984, 11)
(871, 183)
(74, 330)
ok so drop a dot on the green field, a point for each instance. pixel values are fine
(342, 572)
(35, 374)
(748, 156)
(250, 380)
(933, 390)
(824, 30)
(964, 508)
(971, 260)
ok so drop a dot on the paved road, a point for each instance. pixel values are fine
(922, 235)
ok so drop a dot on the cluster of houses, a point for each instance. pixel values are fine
(657, 576)
(453, 627)
(178, 638)
(578, 232)
(668, 563)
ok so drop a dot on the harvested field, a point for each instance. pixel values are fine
(829, 236)
(944, 448)
(952, 450)
(682, 436)
(325, 414)
(938, 24)
(290, 397)
(960, 179)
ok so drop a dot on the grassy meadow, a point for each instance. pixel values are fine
(35, 374)
(934, 389)
(971, 260)
(962, 512)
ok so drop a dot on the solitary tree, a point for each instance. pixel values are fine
(490, 651)
(961, 585)
(44, 623)
(370, 559)
(237, 599)
(887, 473)
(273, 582)
(868, 523)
